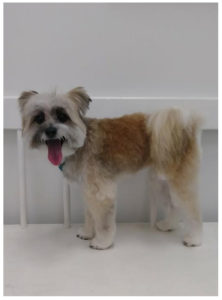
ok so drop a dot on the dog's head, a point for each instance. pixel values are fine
(54, 120)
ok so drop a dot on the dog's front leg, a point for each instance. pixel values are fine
(87, 232)
(105, 227)
(101, 205)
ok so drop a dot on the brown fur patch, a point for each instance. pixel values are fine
(120, 144)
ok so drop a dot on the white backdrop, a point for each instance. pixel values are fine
(166, 51)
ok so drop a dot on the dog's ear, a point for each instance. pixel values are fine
(81, 98)
(24, 97)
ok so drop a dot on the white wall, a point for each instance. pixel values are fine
(114, 50)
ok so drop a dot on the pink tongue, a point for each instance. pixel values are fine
(54, 151)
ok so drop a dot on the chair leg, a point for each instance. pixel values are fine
(22, 179)
(66, 203)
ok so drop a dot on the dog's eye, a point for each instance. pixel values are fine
(40, 118)
(62, 116)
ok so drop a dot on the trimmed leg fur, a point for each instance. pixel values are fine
(86, 232)
(100, 203)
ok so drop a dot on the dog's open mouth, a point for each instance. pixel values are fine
(55, 150)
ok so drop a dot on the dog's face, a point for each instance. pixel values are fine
(54, 120)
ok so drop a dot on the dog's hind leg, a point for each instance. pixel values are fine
(159, 196)
(185, 196)
(171, 220)
(154, 189)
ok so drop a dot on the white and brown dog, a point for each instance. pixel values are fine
(168, 142)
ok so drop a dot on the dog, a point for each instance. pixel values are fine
(166, 142)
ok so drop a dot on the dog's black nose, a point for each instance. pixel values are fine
(51, 131)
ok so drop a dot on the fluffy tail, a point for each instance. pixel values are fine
(174, 132)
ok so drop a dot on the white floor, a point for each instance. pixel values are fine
(48, 260)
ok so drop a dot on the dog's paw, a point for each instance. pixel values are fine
(164, 225)
(83, 235)
(192, 241)
(95, 244)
